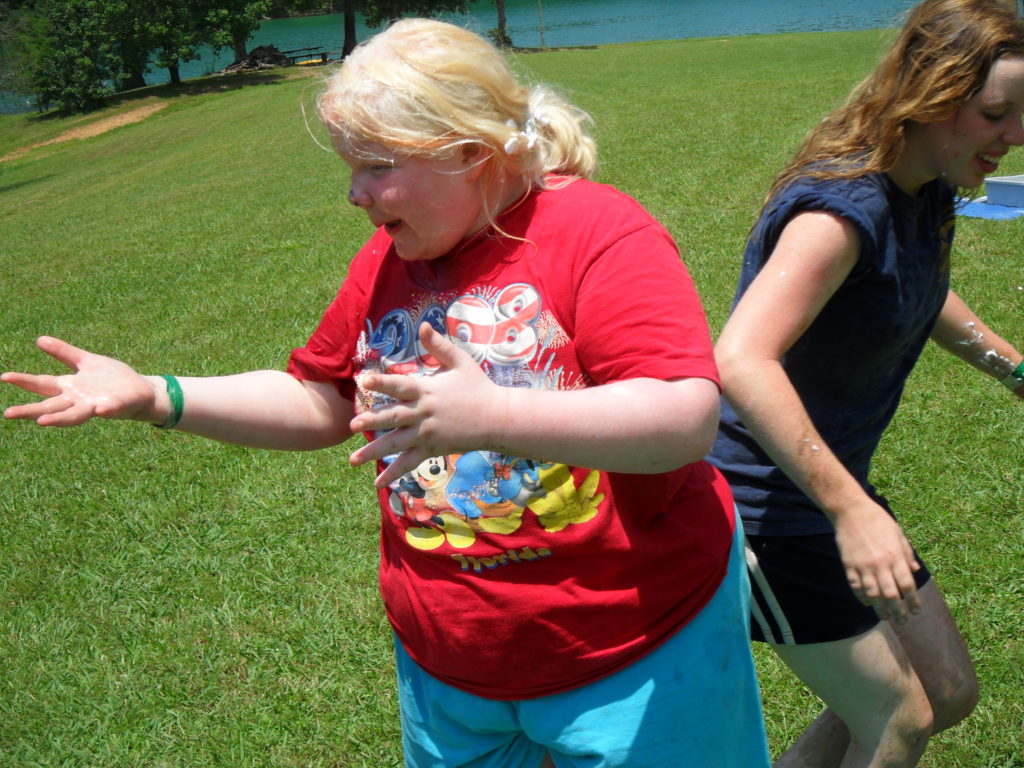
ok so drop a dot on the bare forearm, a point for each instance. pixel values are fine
(960, 331)
(638, 426)
(261, 409)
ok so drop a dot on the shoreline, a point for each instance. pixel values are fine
(7, 96)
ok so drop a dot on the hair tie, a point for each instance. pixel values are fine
(535, 121)
(527, 138)
(514, 143)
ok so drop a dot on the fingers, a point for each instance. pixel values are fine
(384, 445)
(395, 386)
(59, 411)
(404, 462)
(427, 414)
(904, 572)
(442, 349)
(409, 388)
(76, 414)
(392, 416)
(390, 444)
(47, 386)
(66, 353)
(880, 564)
(29, 412)
(46, 412)
(889, 590)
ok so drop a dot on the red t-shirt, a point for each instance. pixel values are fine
(507, 577)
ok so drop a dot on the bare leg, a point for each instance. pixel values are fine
(822, 745)
(547, 762)
(941, 659)
(869, 683)
(941, 663)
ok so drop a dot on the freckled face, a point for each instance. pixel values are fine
(426, 205)
(969, 145)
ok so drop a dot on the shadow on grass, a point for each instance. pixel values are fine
(27, 182)
(193, 87)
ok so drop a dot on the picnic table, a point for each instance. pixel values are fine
(306, 56)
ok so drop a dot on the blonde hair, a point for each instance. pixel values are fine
(941, 59)
(424, 87)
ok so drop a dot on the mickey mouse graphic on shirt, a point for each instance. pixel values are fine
(449, 499)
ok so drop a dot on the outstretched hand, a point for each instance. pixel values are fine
(99, 387)
(452, 411)
(880, 564)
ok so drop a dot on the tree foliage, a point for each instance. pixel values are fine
(22, 31)
(377, 12)
(73, 53)
(232, 23)
(176, 30)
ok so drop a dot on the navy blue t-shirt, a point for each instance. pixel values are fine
(851, 364)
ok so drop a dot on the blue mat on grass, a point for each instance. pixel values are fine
(981, 209)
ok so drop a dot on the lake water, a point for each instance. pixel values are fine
(556, 23)
(598, 22)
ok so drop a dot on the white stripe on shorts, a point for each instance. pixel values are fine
(764, 593)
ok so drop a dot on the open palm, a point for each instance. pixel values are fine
(99, 387)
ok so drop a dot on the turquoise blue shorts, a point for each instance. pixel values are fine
(692, 701)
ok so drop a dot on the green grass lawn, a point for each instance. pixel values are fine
(170, 602)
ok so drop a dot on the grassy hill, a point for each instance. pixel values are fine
(166, 601)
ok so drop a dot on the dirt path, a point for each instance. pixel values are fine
(93, 129)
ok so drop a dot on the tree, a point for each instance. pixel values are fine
(177, 28)
(73, 56)
(233, 21)
(125, 20)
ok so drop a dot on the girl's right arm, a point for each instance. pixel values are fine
(264, 409)
(814, 255)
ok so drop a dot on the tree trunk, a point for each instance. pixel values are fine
(238, 43)
(540, 16)
(175, 73)
(350, 28)
(501, 18)
(134, 79)
(499, 35)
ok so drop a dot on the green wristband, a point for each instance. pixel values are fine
(1015, 380)
(177, 402)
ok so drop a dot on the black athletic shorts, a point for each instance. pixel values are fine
(799, 592)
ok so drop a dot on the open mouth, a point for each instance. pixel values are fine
(988, 164)
(391, 226)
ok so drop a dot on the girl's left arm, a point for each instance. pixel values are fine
(962, 332)
(636, 426)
